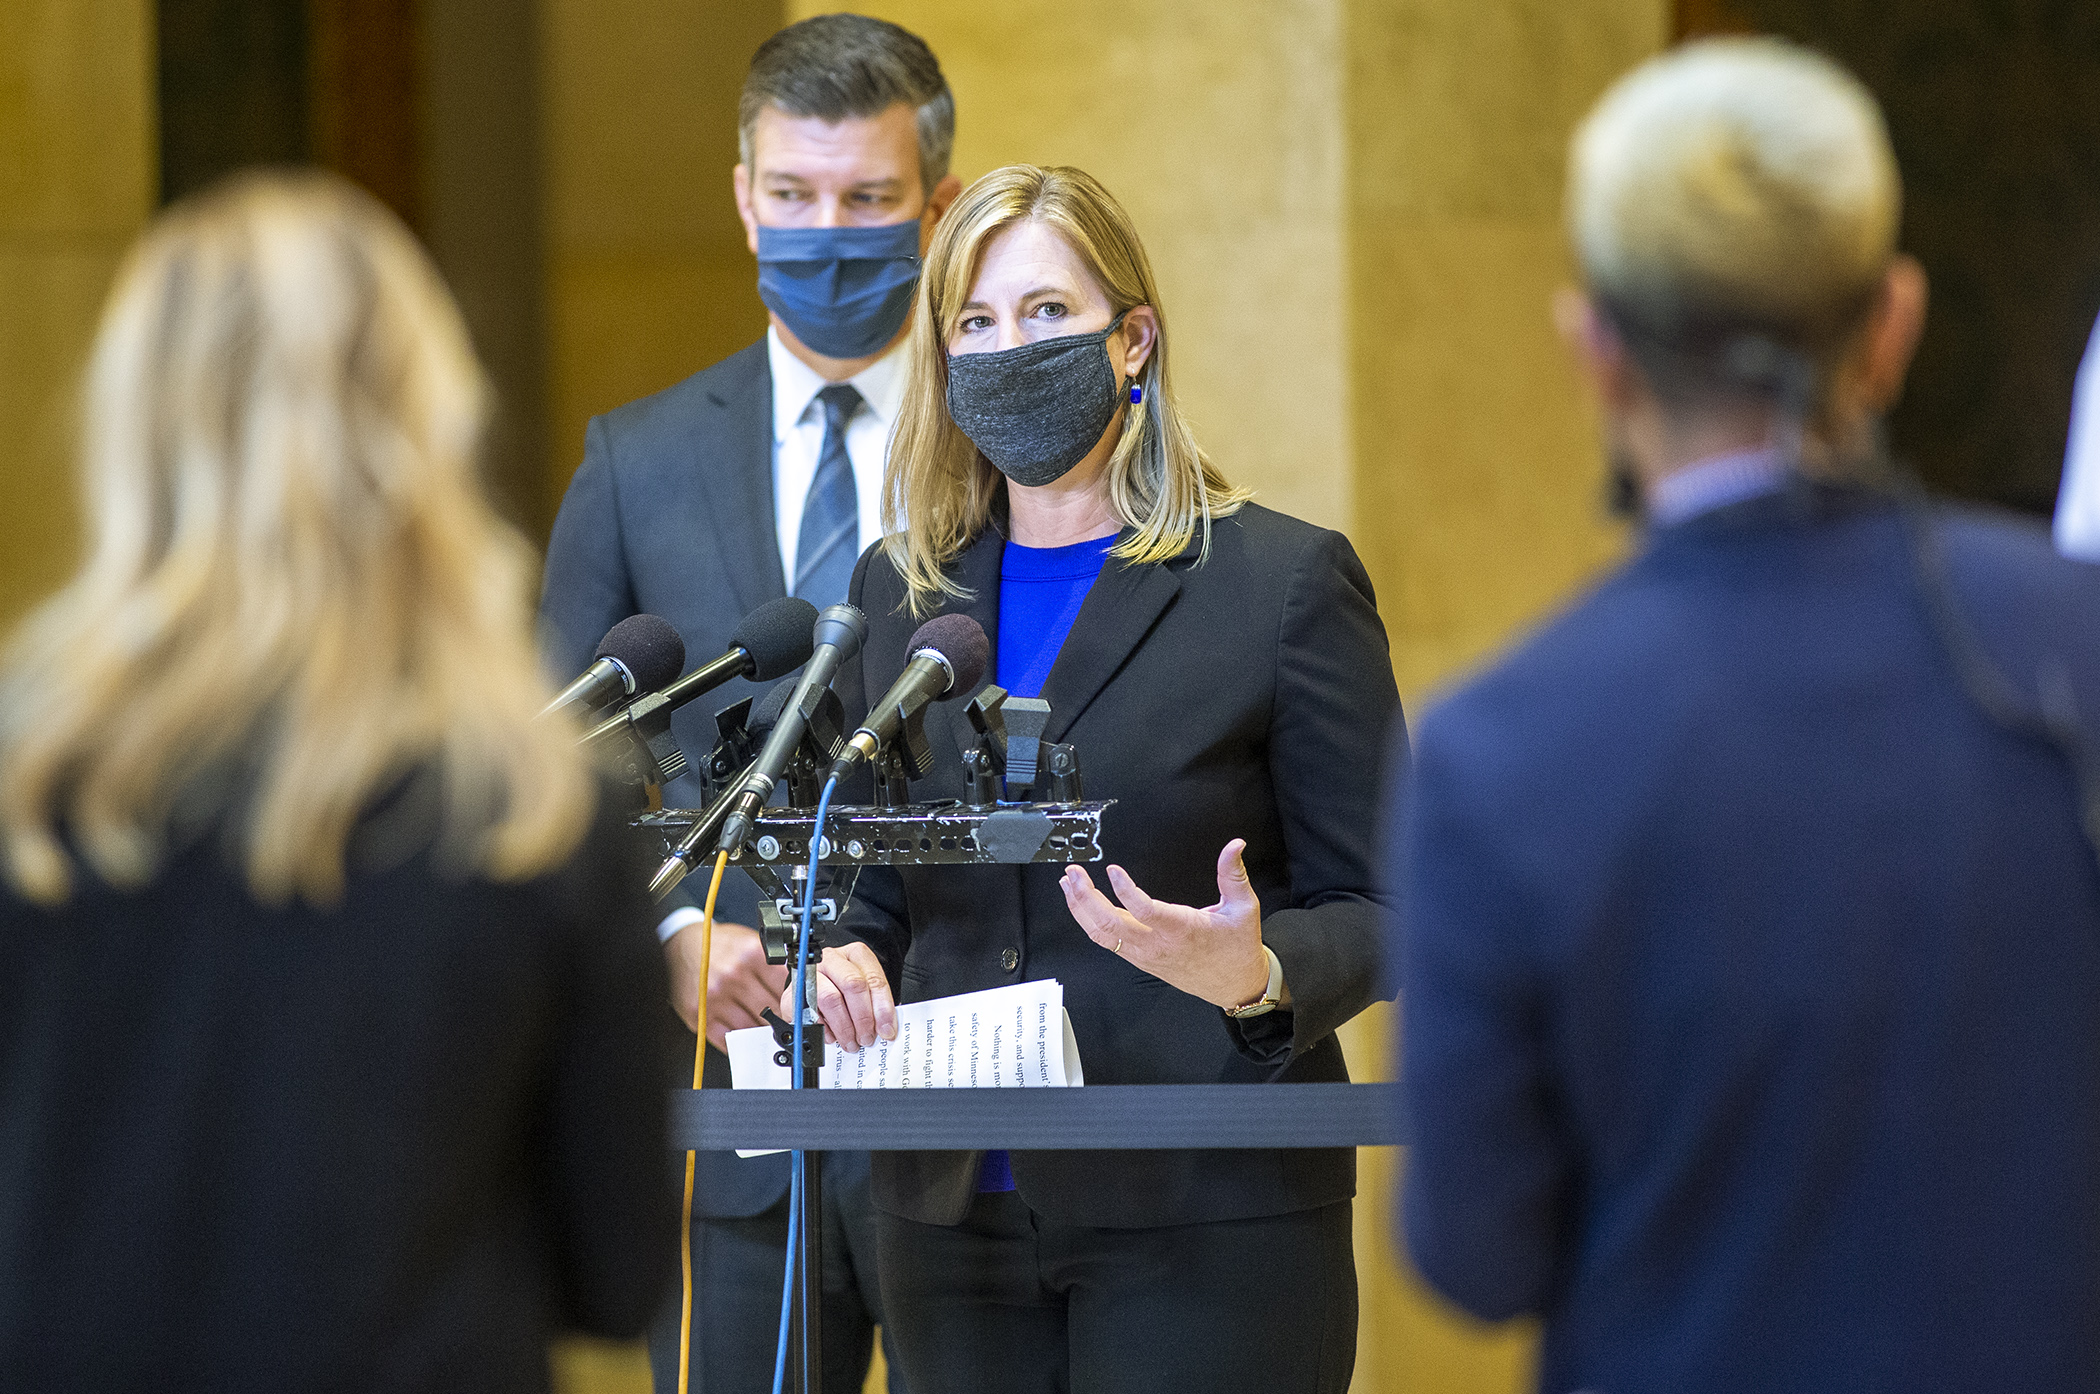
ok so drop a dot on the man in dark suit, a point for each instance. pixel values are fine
(1750, 909)
(757, 478)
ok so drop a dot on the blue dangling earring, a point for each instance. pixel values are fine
(1137, 393)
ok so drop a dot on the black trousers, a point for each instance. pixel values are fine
(1012, 1301)
(736, 1295)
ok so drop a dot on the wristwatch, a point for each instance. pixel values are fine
(1271, 996)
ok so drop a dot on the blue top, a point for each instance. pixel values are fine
(1040, 592)
(1753, 975)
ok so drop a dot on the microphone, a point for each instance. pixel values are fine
(639, 653)
(948, 656)
(772, 640)
(820, 732)
(836, 638)
(686, 855)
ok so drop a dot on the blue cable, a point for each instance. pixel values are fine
(787, 1286)
(787, 1289)
(794, 1214)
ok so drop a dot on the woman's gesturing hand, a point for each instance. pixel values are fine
(1213, 953)
(853, 997)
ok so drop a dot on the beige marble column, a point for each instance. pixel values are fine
(1478, 482)
(648, 279)
(1477, 474)
(1219, 125)
(78, 177)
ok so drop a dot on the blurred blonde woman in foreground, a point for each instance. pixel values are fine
(326, 983)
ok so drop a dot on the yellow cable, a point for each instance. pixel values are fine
(685, 1228)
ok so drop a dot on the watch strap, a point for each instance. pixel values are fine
(1272, 994)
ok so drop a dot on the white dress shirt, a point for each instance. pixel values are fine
(798, 439)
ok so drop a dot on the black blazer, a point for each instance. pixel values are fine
(1246, 696)
(671, 513)
(384, 1147)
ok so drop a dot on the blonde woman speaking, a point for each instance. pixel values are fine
(327, 1000)
(1223, 673)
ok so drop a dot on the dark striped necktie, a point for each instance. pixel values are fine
(830, 539)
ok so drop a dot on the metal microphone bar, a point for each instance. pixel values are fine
(700, 833)
(943, 834)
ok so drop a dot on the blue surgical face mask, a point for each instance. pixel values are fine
(844, 291)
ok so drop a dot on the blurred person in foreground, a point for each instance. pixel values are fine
(325, 974)
(1750, 908)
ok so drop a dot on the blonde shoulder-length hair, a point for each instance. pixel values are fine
(295, 593)
(939, 489)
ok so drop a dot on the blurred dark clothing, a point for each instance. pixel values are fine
(390, 1146)
(1752, 1004)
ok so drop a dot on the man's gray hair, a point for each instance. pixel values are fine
(839, 67)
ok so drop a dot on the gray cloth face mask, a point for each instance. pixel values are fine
(1035, 411)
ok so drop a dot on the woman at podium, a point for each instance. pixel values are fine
(1222, 672)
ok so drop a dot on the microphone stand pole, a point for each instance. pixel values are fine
(808, 1316)
(805, 1366)
(805, 1301)
(806, 1312)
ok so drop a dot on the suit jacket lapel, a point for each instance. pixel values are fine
(1120, 610)
(978, 570)
(742, 478)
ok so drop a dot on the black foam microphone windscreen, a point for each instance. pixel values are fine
(649, 648)
(963, 642)
(777, 636)
(766, 710)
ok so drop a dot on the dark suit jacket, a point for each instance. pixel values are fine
(383, 1147)
(671, 514)
(1245, 696)
(1752, 1010)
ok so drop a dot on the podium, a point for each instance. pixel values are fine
(1099, 1116)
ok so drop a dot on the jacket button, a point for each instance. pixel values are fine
(1009, 959)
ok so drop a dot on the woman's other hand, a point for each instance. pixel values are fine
(1213, 953)
(853, 997)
